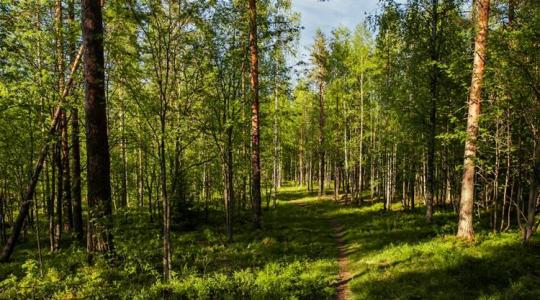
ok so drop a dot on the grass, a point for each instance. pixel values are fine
(397, 255)
(392, 255)
(293, 257)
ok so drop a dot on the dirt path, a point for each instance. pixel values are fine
(343, 289)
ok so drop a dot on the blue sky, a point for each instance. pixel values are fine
(329, 15)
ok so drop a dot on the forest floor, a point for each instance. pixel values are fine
(308, 249)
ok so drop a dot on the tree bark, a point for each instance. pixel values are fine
(99, 235)
(75, 144)
(66, 176)
(465, 227)
(433, 111)
(76, 187)
(59, 53)
(255, 125)
(59, 192)
(165, 201)
(229, 183)
(275, 163)
(50, 204)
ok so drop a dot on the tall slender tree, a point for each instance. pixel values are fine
(255, 124)
(75, 143)
(434, 91)
(57, 149)
(465, 226)
(319, 57)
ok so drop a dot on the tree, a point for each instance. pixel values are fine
(434, 91)
(75, 143)
(99, 235)
(361, 64)
(255, 123)
(465, 226)
(319, 57)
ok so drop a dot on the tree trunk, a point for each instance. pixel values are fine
(506, 204)
(229, 183)
(99, 235)
(66, 176)
(465, 227)
(433, 112)
(50, 205)
(59, 48)
(511, 12)
(206, 187)
(275, 159)
(254, 81)
(59, 193)
(166, 215)
(75, 144)
(361, 143)
(336, 181)
(76, 188)
(345, 152)
(321, 141)
(123, 192)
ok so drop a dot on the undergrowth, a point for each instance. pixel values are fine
(392, 255)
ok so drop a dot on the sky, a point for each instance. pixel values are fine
(329, 15)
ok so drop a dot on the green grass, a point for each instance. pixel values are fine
(392, 255)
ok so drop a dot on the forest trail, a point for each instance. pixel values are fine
(343, 289)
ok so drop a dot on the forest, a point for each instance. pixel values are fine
(194, 149)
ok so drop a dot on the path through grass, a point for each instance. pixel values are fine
(397, 255)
